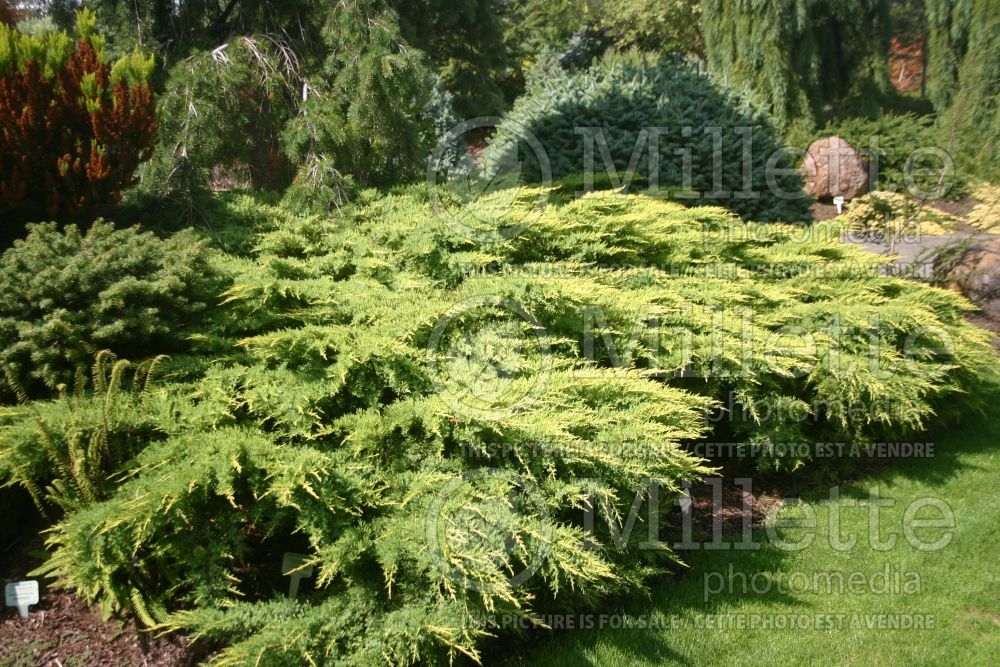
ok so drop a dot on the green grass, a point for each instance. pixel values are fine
(959, 587)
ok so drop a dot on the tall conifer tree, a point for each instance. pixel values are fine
(801, 58)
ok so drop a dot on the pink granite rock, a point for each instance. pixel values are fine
(834, 168)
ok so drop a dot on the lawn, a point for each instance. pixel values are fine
(793, 618)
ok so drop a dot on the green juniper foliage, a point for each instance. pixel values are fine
(634, 101)
(457, 415)
(428, 416)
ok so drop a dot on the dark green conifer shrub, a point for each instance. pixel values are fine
(464, 41)
(69, 293)
(627, 97)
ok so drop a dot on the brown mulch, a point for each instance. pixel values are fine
(821, 211)
(737, 506)
(959, 208)
(62, 631)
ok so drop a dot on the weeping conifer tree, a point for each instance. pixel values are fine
(366, 109)
(351, 104)
(801, 58)
(964, 79)
(948, 26)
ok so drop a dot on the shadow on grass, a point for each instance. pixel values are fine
(974, 432)
(686, 595)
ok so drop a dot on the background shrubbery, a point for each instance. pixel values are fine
(796, 57)
(622, 96)
(221, 116)
(906, 148)
(330, 95)
(68, 294)
(73, 128)
(964, 80)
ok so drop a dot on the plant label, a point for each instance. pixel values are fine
(839, 203)
(294, 565)
(22, 594)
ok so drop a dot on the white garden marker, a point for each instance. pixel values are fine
(22, 594)
(839, 203)
(291, 566)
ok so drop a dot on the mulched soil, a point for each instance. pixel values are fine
(823, 211)
(959, 208)
(736, 507)
(62, 631)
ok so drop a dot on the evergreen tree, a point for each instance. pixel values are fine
(801, 58)
(581, 30)
(965, 79)
(367, 109)
(223, 108)
(618, 100)
(535, 29)
(948, 25)
(464, 41)
(332, 88)
(655, 25)
(909, 20)
(176, 28)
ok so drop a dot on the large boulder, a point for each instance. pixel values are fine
(976, 273)
(835, 168)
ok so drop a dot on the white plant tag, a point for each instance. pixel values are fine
(22, 594)
(839, 203)
(291, 566)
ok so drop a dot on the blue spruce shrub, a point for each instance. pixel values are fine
(623, 96)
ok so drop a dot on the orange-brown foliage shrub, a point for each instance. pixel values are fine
(73, 128)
